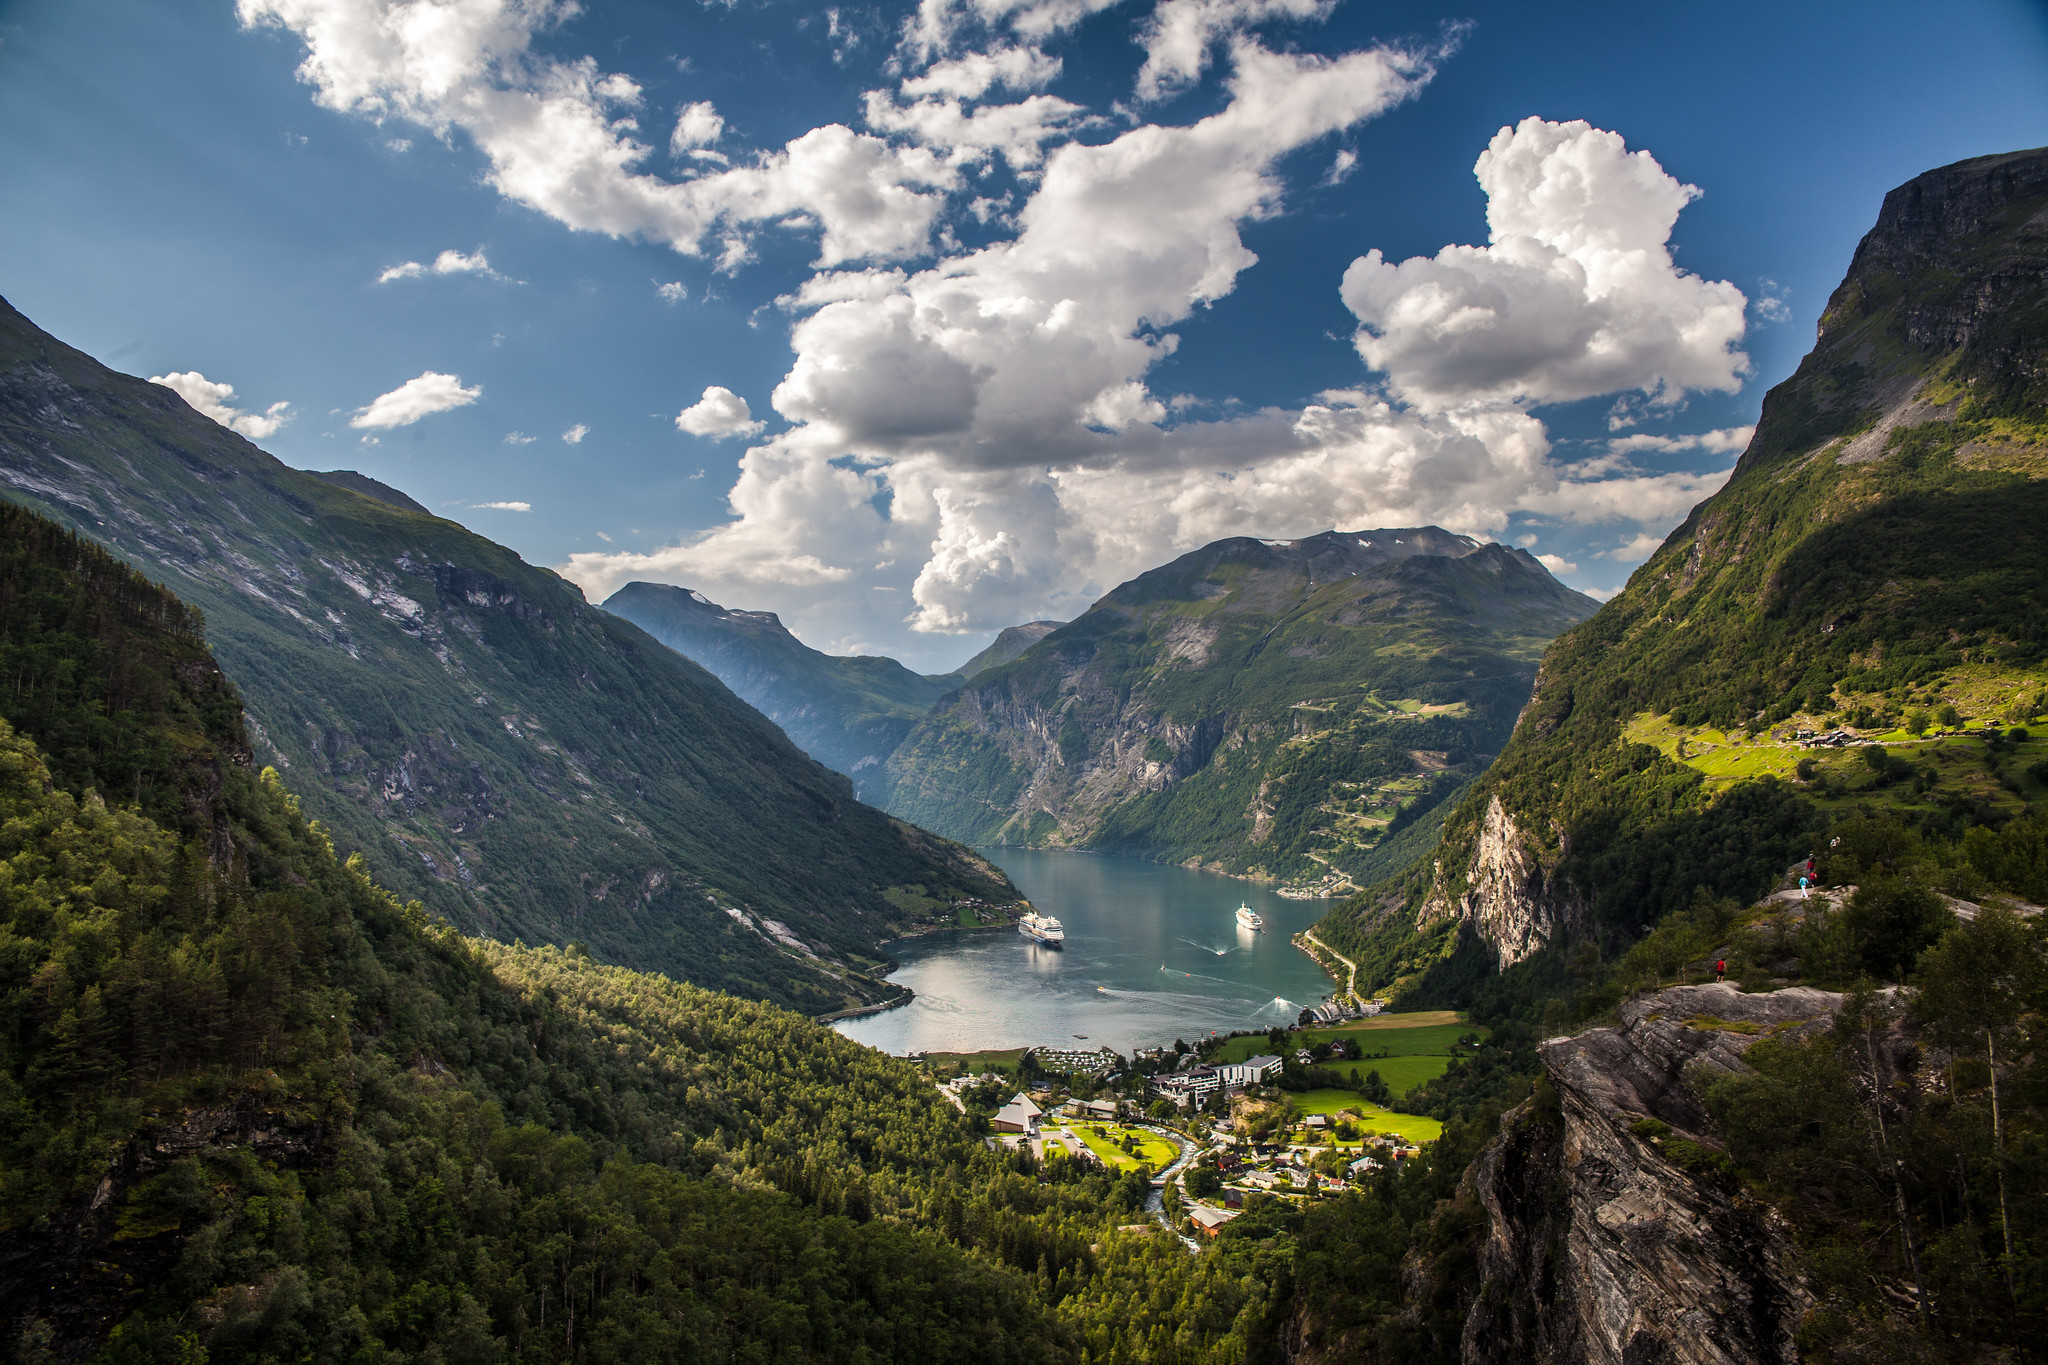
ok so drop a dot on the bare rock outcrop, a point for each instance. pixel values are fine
(1506, 895)
(1611, 1238)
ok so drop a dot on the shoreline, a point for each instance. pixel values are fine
(858, 1011)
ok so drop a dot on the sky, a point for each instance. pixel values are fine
(913, 321)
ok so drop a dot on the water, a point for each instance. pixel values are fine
(1153, 953)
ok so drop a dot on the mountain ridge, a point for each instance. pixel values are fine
(521, 762)
(1263, 707)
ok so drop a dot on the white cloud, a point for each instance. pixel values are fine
(449, 262)
(1724, 441)
(1773, 302)
(519, 438)
(1341, 167)
(560, 136)
(216, 400)
(719, 413)
(973, 75)
(672, 291)
(1576, 295)
(697, 125)
(505, 506)
(933, 30)
(1181, 34)
(423, 396)
(1635, 549)
(1557, 564)
(574, 435)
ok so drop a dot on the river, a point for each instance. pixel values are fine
(1153, 953)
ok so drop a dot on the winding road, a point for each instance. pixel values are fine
(1351, 985)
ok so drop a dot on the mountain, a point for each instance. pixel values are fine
(1279, 708)
(1875, 572)
(847, 711)
(370, 488)
(1013, 640)
(520, 762)
(257, 1109)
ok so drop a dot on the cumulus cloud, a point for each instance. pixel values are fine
(519, 438)
(505, 506)
(574, 435)
(429, 393)
(697, 125)
(672, 291)
(216, 400)
(1181, 35)
(1575, 294)
(449, 262)
(1557, 564)
(718, 414)
(560, 136)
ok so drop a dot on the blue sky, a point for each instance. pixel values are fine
(964, 323)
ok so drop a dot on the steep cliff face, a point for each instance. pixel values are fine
(1267, 707)
(1611, 1239)
(1504, 896)
(1886, 526)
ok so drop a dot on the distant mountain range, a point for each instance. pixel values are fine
(522, 763)
(1279, 708)
(847, 711)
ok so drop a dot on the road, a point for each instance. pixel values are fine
(1350, 986)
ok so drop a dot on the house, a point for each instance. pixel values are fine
(1211, 1220)
(1315, 1123)
(1363, 1165)
(1250, 1071)
(1233, 1198)
(1304, 1056)
(1099, 1109)
(1020, 1115)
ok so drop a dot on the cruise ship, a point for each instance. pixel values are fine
(1041, 929)
(1248, 918)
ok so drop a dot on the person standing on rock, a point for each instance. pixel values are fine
(1720, 969)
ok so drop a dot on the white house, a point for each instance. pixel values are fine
(1250, 1071)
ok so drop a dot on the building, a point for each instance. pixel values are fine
(1250, 1071)
(1211, 1220)
(1020, 1115)
(1190, 1086)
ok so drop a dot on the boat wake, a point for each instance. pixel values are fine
(1205, 947)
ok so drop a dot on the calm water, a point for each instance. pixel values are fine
(1153, 953)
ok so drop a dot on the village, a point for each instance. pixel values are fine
(1294, 1115)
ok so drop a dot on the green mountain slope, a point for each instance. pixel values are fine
(522, 763)
(1260, 707)
(1012, 641)
(257, 1110)
(848, 712)
(1876, 569)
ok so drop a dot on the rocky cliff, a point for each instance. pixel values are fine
(1611, 1237)
(1879, 545)
(1276, 708)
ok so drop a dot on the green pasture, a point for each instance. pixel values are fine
(1413, 1127)
(1101, 1139)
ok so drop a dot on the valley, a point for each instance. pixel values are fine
(401, 958)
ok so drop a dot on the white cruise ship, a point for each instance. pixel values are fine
(1041, 929)
(1248, 918)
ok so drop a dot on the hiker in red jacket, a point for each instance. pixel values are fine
(1720, 969)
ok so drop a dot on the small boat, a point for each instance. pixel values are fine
(1248, 918)
(1042, 929)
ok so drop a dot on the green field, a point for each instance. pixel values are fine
(1413, 1127)
(1155, 1152)
(1416, 1053)
(976, 1062)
